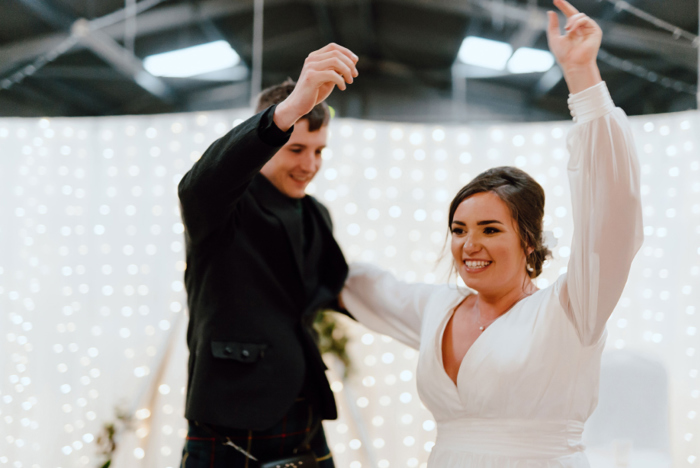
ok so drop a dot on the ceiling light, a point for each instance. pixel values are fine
(192, 61)
(484, 52)
(526, 60)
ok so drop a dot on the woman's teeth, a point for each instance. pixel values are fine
(477, 264)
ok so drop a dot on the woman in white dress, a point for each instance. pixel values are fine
(511, 372)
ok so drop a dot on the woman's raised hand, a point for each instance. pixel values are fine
(577, 49)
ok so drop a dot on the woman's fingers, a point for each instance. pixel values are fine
(584, 26)
(579, 26)
(553, 26)
(572, 19)
(565, 7)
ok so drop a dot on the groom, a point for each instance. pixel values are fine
(261, 262)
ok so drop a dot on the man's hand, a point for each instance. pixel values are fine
(576, 51)
(324, 69)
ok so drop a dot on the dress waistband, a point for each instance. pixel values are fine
(522, 438)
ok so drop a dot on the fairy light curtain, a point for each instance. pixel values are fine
(93, 312)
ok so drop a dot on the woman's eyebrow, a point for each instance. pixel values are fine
(488, 221)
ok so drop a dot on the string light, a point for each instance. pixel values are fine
(65, 271)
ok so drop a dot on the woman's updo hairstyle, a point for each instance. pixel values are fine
(525, 199)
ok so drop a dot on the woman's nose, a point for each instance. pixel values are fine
(471, 245)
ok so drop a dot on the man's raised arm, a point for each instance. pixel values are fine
(210, 190)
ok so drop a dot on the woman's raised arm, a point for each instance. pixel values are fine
(604, 178)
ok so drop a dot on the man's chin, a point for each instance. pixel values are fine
(295, 188)
(295, 191)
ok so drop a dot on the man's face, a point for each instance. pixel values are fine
(297, 162)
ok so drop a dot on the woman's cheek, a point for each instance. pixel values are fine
(456, 248)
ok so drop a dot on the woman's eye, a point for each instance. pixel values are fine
(457, 231)
(490, 230)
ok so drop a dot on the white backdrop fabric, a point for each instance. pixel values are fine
(93, 311)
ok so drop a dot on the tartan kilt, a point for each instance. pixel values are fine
(205, 444)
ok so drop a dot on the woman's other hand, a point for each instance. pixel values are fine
(577, 49)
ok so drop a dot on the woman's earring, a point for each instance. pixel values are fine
(529, 268)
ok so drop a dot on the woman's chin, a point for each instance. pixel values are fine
(471, 282)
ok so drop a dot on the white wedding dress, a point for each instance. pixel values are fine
(530, 381)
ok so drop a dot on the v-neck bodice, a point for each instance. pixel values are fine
(442, 328)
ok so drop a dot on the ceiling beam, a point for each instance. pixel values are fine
(121, 59)
(616, 35)
(529, 30)
(166, 18)
(18, 53)
(79, 72)
(103, 46)
(49, 13)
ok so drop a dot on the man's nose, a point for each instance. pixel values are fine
(309, 162)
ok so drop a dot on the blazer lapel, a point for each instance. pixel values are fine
(333, 269)
(282, 208)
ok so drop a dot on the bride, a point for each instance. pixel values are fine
(511, 372)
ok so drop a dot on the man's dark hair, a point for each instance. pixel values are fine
(319, 116)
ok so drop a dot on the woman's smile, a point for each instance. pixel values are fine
(476, 266)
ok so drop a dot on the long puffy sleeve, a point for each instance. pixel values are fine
(604, 178)
(386, 305)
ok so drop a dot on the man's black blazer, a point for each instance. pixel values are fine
(249, 334)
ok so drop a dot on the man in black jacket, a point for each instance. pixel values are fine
(261, 262)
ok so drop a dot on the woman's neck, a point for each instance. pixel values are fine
(492, 305)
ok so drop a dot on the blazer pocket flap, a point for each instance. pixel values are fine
(242, 352)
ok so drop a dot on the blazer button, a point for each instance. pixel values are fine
(228, 350)
(245, 353)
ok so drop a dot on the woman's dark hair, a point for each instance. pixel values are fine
(525, 199)
(319, 116)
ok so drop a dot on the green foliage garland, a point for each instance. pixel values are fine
(333, 338)
(108, 437)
